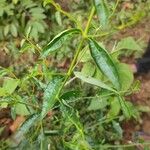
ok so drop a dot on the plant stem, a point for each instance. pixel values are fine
(89, 21)
(33, 44)
(71, 68)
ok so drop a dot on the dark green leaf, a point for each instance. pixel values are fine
(58, 41)
(104, 63)
(71, 95)
(50, 94)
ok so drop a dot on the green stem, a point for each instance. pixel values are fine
(71, 68)
(89, 21)
(33, 44)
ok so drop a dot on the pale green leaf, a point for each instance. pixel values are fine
(21, 109)
(125, 75)
(10, 85)
(128, 43)
(93, 81)
(102, 11)
(88, 69)
(13, 30)
(97, 104)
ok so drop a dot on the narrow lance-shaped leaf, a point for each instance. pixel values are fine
(104, 63)
(50, 95)
(102, 11)
(58, 41)
(26, 126)
(93, 81)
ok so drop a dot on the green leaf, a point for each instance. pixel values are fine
(102, 12)
(21, 109)
(128, 43)
(71, 95)
(93, 81)
(125, 108)
(125, 75)
(6, 30)
(10, 85)
(104, 63)
(46, 2)
(117, 128)
(58, 41)
(50, 94)
(58, 18)
(97, 104)
(27, 125)
(13, 30)
(88, 69)
(2, 92)
(72, 115)
(15, 1)
(114, 108)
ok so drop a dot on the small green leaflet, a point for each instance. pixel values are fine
(50, 94)
(104, 63)
(102, 12)
(93, 81)
(58, 41)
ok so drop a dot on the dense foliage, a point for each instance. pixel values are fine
(81, 108)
